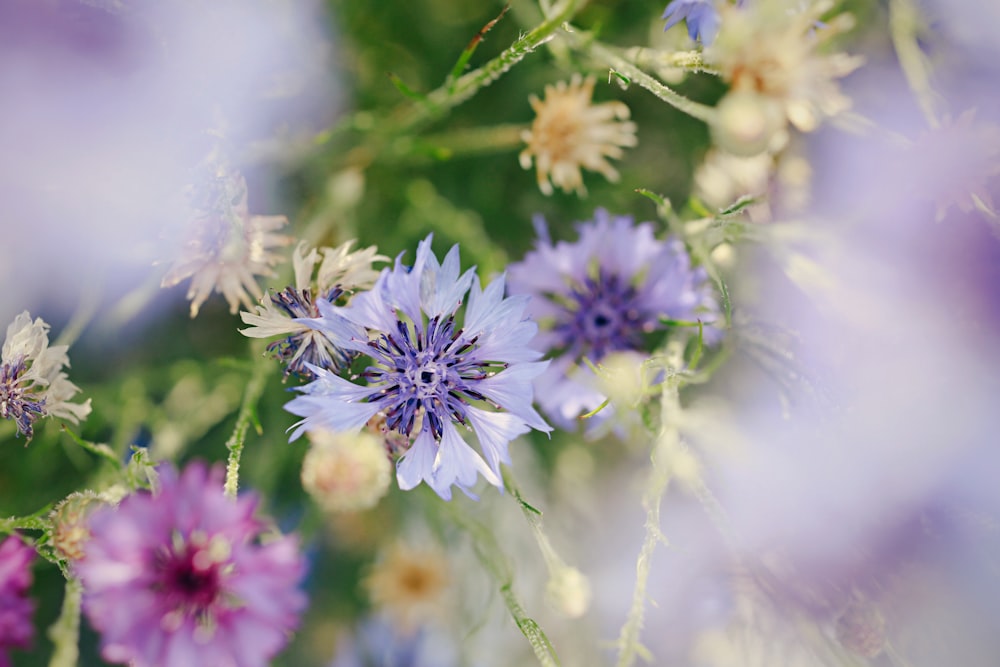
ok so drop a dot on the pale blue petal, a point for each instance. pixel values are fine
(458, 464)
(417, 465)
(495, 430)
(512, 389)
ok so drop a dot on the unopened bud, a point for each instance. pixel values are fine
(346, 472)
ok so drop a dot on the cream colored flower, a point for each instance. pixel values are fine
(227, 247)
(774, 52)
(410, 584)
(32, 381)
(570, 133)
(346, 472)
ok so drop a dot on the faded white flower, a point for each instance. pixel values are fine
(339, 273)
(766, 50)
(570, 133)
(32, 382)
(226, 247)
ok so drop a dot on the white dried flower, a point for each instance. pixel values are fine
(340, 272)
(227, 248)
(570, 133)
(32, 382)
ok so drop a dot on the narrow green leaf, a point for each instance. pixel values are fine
(466, 55)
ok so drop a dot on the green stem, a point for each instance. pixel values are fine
(667, 442)
(99, 449)
(65, 632)
(625, 68)
(451, 94)
(903, 21)
(692, 61)
(255, 388)
(493, 560)
(553, 561)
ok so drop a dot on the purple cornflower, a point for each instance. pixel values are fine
(605, 293)
(179, 579)
(701, 16)
(16, 629)
(430, 373)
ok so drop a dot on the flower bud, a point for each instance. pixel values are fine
(346, 472)
(69, 523)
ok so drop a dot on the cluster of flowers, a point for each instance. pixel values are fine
(436, 356)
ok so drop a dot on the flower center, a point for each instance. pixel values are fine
(191, 573)
(306, 347)
(601, 318)
(14, 404)
(425, 371)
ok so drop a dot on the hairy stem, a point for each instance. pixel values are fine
(262, 369)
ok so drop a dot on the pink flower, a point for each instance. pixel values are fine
(178, 579)
(16, 630)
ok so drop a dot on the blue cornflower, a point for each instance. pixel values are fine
(701, 16)
(428, 373)
(605, 293)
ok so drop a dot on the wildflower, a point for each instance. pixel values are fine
(409, 585)
(178, 579)
(701, 16)
(226, 246)
(771, 54)
(32, 382)
(430, 373)
(340, 272)
(605, 293)
(16, 629)
(569, 133)
(346, 472)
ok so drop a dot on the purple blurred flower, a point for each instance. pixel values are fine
(16, 629)
(377, 644)
(701, 16)
(427, 371)
(603, 294)
(178, 579)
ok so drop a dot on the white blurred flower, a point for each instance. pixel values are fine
(570, 133)
(32, 382)
(227, 248)
(768, 51)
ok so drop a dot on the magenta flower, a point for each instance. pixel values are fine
(178, 579)
(16, 608)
